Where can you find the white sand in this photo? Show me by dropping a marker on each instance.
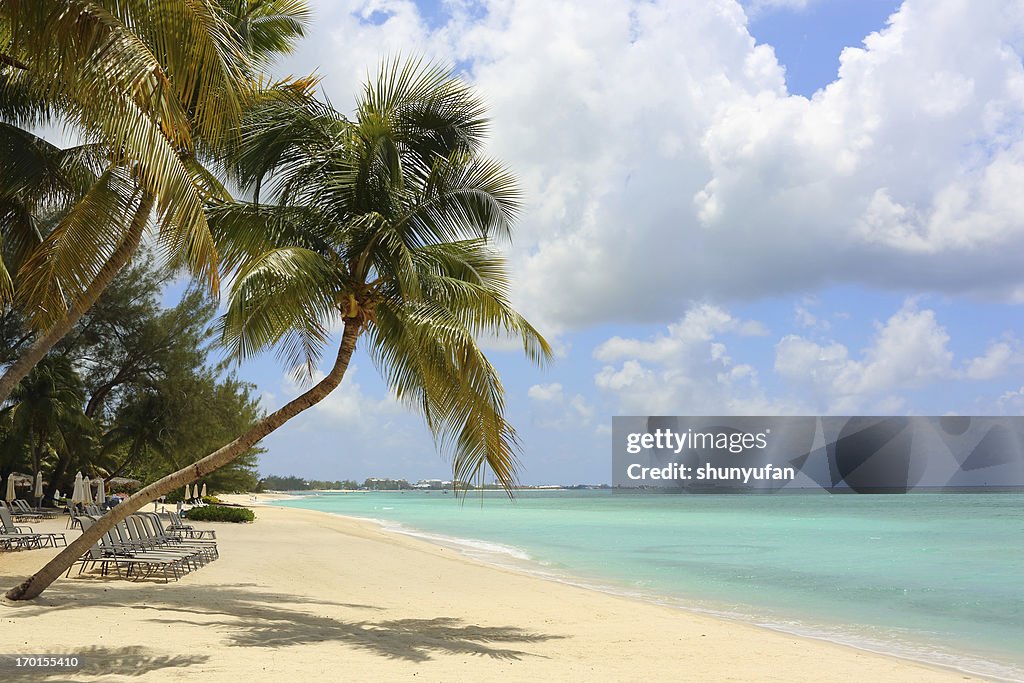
(299, 594)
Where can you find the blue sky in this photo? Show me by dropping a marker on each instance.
(775, 207)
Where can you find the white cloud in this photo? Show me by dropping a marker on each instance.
(665, 162)
(997, 361)
(687, 370)
(804, 317)
(1012, 402)
(908, 351)
(552, 410)
(546, 393)
(347, 408)
(700, 324)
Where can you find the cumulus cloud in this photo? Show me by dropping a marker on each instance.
(908, 351)
(552, 410)
(686, 370)
(689, 369)
(697, 328)
(664, 161)
(1011, 402)
(347, 409)
(998, 360)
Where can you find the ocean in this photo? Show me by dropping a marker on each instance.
(933, 577)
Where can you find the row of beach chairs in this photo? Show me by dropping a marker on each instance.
(15, 537)
(139, 547)
(22, 511)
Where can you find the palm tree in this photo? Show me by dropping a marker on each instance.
(156, 85)
(380, 224)
(46, 411)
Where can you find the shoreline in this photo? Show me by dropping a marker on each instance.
(487, 554)
(303, 592)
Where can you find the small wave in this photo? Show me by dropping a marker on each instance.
(469, 546)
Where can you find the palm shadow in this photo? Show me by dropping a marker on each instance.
(100, 662)
(250, 616)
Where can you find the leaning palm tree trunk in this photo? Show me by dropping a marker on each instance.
(39, 581)
(28, 360)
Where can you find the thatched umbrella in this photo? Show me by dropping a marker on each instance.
(123, 483)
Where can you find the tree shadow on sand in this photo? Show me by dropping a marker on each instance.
(101, 662)
(412, 640)
(249, 616)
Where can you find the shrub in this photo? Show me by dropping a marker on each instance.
(221, 513)
(211, 500)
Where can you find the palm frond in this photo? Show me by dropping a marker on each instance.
(243, 231)
(287, 295)
(267, 28)
(72, 255)
(431, 363)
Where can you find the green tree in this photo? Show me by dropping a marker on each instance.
(156, 85)
(189, 413)
(380, 222)
(46, 412)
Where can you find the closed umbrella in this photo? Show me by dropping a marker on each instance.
(76, 494)
(56, 494)
(86, 491)
(203, 494)
(101, 495)
(9, 496)
(188, 492)
(38, 493)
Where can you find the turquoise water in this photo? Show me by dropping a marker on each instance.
(936, 577)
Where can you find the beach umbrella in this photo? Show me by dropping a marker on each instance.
(86, 491)
(76, 494)
(9, 497)
(56, 494)
(101, 495)
(39, 485)
(203, 494)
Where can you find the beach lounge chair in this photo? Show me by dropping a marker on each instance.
(18, 514)
(21, 507)
(127, 541)
(22, 535)
(151, 525)
(20, 541)
(177, 527)
(141, 534)
(141, 565)
(8, 527)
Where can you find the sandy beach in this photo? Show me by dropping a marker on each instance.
(301, 593)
